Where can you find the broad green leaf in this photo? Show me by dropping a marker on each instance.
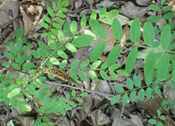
(73, 27)
(119, 88)
(125, 99)
(137, 81)
(113, 55)
(157, 90)
(115, 99)
(166, 36)
(83, 21)
(50, 11)
(62, 54)
(162, 66)
(54, 61)
(152, 121)
(97, 51)
(173, 71)
(141, 95)
(133, 96)
(154, 7)
(92, 75)
(71, 47)
(154, 19)
(98, 29)
(74, 70)
(93, 15)
(117, 29)
(83, 75)
(130, 63)
(82, 41)
(104, 74)
(148, 33)
(130, 84)
(135, 32)
(96, 64)
(149, 92)
(14, 92)
(149, 64)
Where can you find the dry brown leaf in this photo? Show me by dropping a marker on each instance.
(124, 36)
(172, 4)
(28, 24)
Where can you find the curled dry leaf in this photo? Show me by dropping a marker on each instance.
(31, 13)
(124, 36)
(172, 4)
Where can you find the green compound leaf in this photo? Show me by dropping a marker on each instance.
(117, 29)
(130, 63)
(82, 41)
(130, 84)
(162, 66)
(148, 33)
(97, 51)
(166, 36)
(74, 69)
(149, 63)
(119, 88)
(113, 55)
(135, 32)
(98, 29)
